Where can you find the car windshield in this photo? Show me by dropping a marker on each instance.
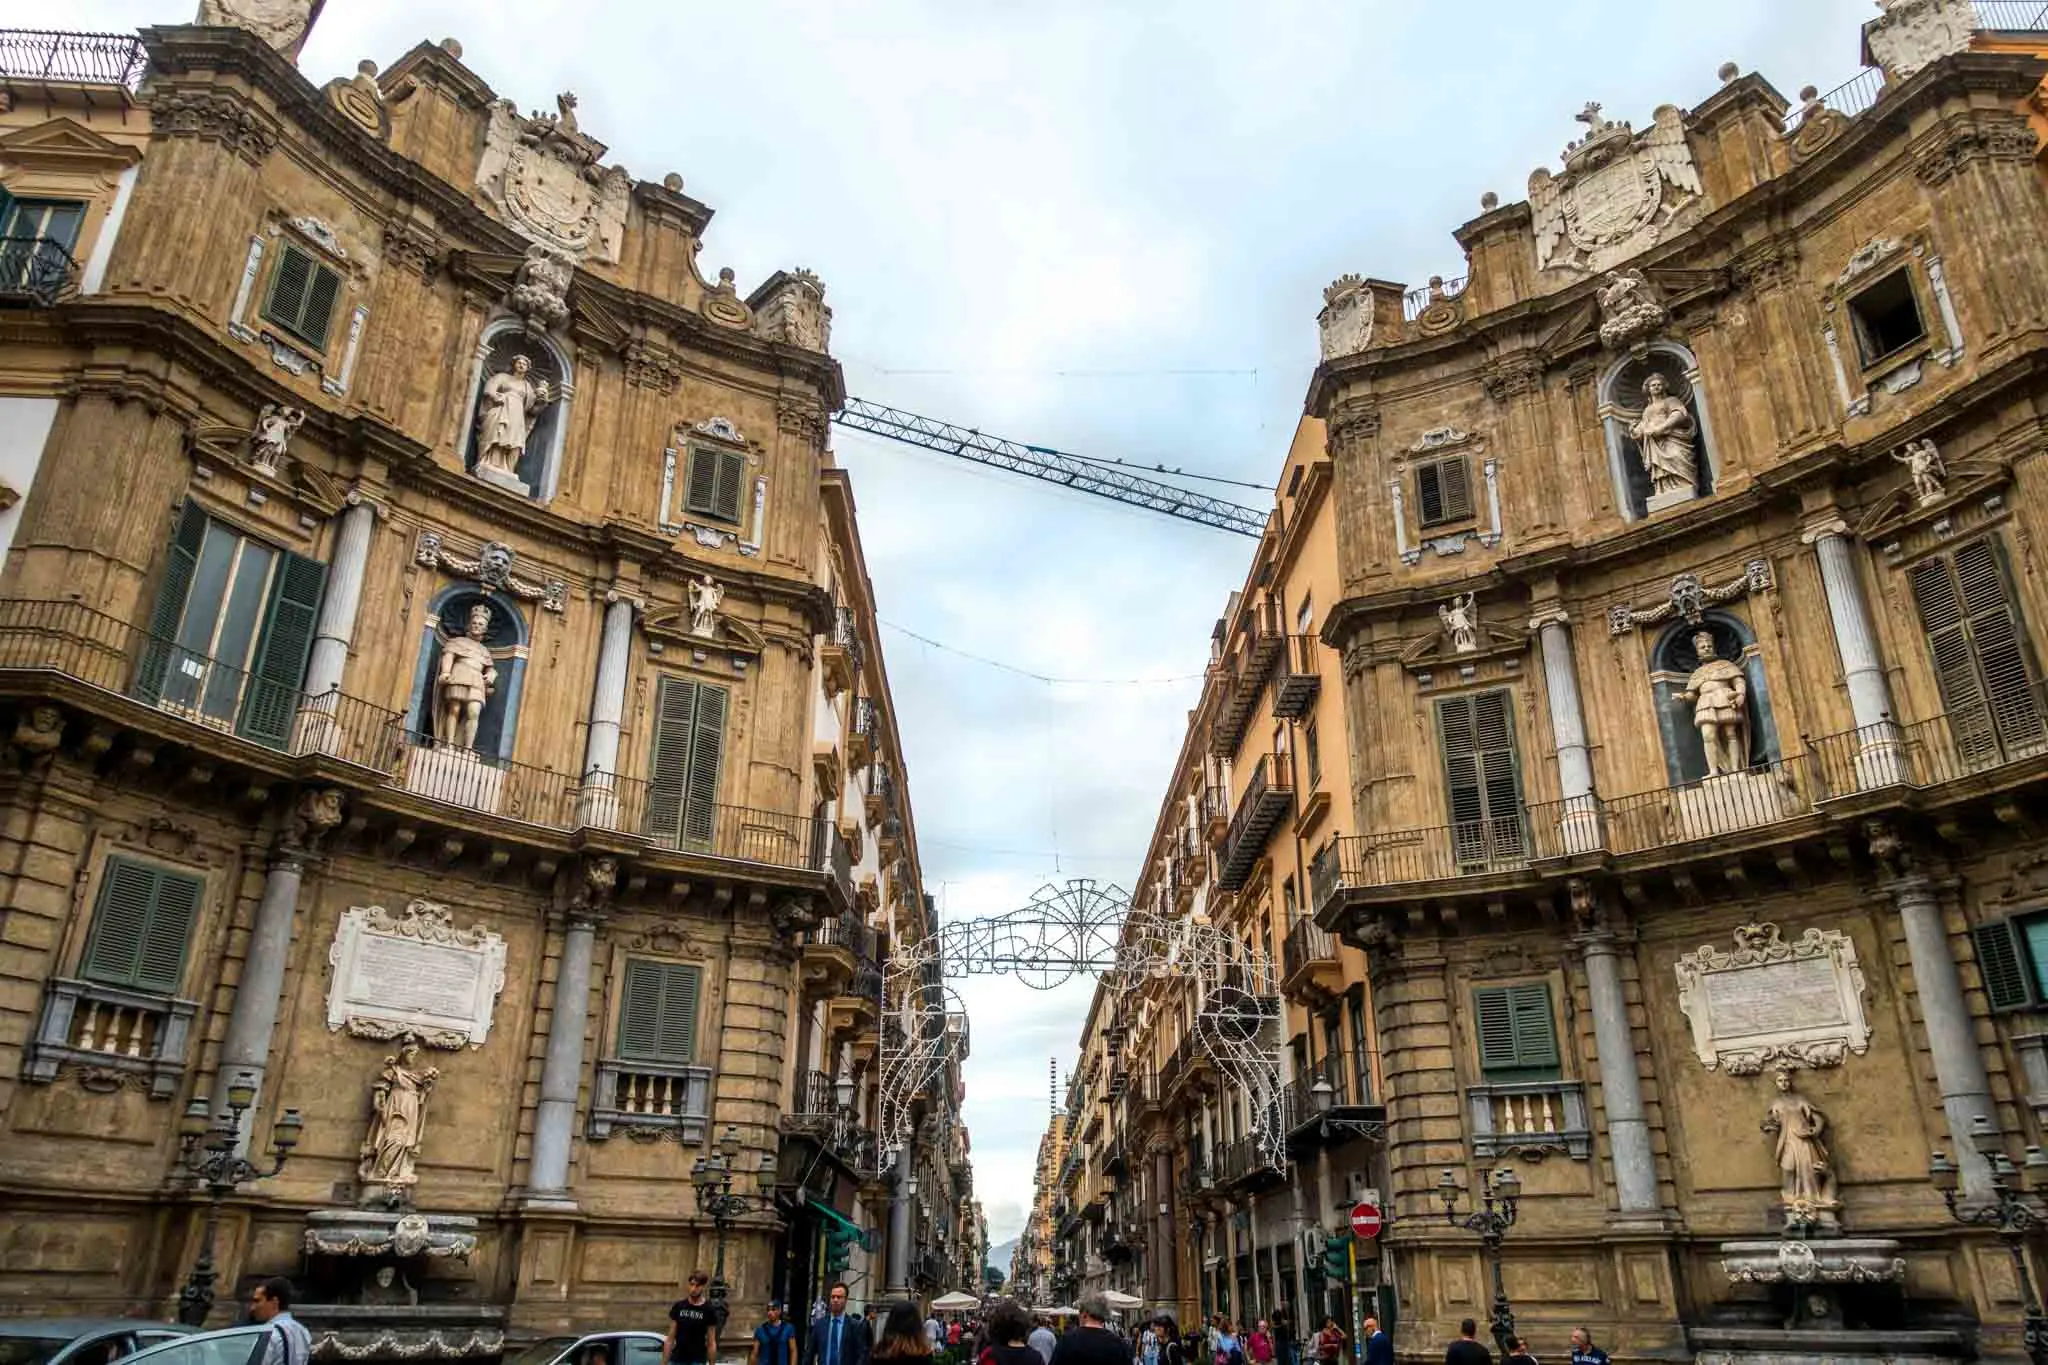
(540, 1353)
(30, 1350)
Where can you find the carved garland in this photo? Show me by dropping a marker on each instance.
(492, 567)
(1690, 598)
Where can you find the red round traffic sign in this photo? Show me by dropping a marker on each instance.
(1366, 1221)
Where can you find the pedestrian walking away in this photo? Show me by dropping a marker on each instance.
(1091, 1343)
(1008, 1333)
(692, 1326)
(1467, 1350)
(1584, 1352)
(774, 1339)
(1043, 1341)
(904, 1339)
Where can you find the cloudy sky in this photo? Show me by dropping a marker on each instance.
(1098, 226)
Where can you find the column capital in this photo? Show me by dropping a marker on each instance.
(361, 495)
(1549, 614)
(1823, 526)
(619, 592)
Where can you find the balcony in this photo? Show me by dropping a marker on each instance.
(1294, 695)
(109, 1036)
(1245, 1163)
(860, 739)
(840, 655)
(1311, 968)
(814, 1112)
(48, 57)
(1267, 799)
(833, 951)
(1264, 639)
(650, 1100)
(1215, 813)
(35, 271)
(67, 651)
(1528, 1119)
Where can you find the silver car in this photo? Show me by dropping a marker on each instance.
(598, 1348)
(80, 1341)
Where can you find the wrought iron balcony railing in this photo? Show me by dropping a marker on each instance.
(64, 58)
(1267, 798)
(36, 271)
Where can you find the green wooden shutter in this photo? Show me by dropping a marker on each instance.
(290, 282)
(1444, 491)
(658, 1011)
(679, 1012)
(732, 478)
(142, 926)
(272, 698)
(675, 715)
(1517, 1035)
(2000, 963)
(1494, 728)
(700, 493)
(2000, 645)
(1481, 783)
(700, 810)
(181, 557)
(321, 296)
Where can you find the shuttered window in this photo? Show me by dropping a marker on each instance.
(302, 295)
(2012, 958)
(141, 926)
(231, 630)
(1982, 662)
(658, 1011)
(1517, 1034)
(716, 480)
(689, 741)
(1481, 780)
(1443, 490)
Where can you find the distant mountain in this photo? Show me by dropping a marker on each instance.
(999, 1255)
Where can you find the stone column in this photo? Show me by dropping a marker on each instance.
(561, 1076)
(607, 705)
(1958, 1065)
(1166, 1255)
(1870, 700)
(337, 624)
(899, 1225)
(1621, 1087)
(1580, 825)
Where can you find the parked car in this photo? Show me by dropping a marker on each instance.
(228, 1346)
(598, 1348)
(80, 1341)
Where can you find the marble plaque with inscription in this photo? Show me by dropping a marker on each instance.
(1769, 1003)
(414, 972)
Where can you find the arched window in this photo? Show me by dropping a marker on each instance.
(1672, 663)
(536, 470)
(505, 636)
(1670, 459)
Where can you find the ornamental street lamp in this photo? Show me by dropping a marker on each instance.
(2013, 1213)
(713, 1176)
(1498, 1191)
(209, 1147)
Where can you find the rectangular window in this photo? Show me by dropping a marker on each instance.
(1361, 1064)
(689, 742)
(1886, 317)
(1517, 1034)
(1443, 490)
(231, 629)
(1314, 754)
(1482, 780)
(142, 925)
(1982, 663)
(2012, 958)
(658, 1011)
(715, 483)
(38, 240)
(1290, 901)
(1305, 617)
(302, 295)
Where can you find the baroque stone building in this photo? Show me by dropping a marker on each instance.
(443, 697)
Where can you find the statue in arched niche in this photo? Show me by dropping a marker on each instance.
(1718, 693)
(1667, 437)
(465, 680)
(506, 413)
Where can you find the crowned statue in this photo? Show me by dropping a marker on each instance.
(506, 411)
(1718, 692)
(398, 1111)
(464, 682)
(1667, 436)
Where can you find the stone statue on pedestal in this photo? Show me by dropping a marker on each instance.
(1666, 434)
(505, 415)
(1460, 618)
(398, 1110)
(1719, 695)
(275, 425)
(705, 598)
(1924, 466)
(467, 676)
(1804, 1167)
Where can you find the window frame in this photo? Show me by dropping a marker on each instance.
(318, 264)
(690, 973)
(2013, 977)
(159, 877)
(711, 507)
(1533, 1060)
(1468, 509)
(1860, 329)
(1987, 728)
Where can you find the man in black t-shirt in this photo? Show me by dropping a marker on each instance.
(692, 1327)
(1092, 1343)
(1466, 1350)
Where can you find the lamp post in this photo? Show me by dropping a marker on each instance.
(713, 1176)
(1498, 1191)
(209, 1147)
(2013, 1213)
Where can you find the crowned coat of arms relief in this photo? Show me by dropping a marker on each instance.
(548, 179)
(1619, 192)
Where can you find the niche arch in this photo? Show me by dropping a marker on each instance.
(1672, 660)
(503, 338)
(1621, 399)
(510, 641)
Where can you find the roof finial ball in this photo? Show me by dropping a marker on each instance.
(1488, 202)
(672, 182)
(1728, 72)
(452, 48)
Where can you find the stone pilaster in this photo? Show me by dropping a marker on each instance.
(1621, 1086)
(336, 627)
(561, 1077)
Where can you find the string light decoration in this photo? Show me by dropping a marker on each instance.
(1083, 928)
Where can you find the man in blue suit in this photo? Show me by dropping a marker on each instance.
(840, 1337)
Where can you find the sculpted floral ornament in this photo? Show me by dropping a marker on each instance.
(1618, 193)
(1912, 34)
(540, 288)
(1629, 309)
(1770, 1003)
(493, 567)
(1690, 598)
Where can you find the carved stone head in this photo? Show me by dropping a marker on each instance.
(1703, 644)
(494, 560)
(479, 621)
(1655, 387)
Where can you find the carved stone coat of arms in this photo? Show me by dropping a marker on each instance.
(1617, 195)
(546, 176)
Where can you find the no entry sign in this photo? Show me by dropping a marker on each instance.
(1366, 1221)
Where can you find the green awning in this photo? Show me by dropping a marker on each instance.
(834, 1215)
